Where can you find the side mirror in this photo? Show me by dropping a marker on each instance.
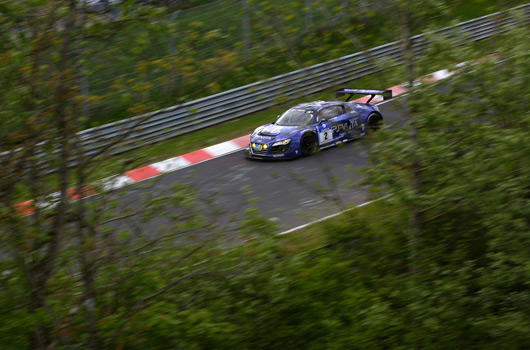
(277, 117)
(322, 121)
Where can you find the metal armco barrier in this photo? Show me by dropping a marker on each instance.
(190, 116)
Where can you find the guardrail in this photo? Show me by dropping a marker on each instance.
(190, 116)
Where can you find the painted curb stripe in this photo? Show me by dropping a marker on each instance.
(242, 141)
(427, 79)
(442, 74)
(77, 193)
(25, 208)
(362, 99)
(116, 182)
(197, 156)
(142, 173)
(171, 164)
(222, 148)
(398, 90)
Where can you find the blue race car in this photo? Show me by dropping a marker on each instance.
(307, 127)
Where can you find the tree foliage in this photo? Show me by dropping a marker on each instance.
(473, 200)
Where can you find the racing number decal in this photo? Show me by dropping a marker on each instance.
(325, 135)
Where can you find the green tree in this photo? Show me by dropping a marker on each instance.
(55, 259)
(472, 224)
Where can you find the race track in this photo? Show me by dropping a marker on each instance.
(287, 192)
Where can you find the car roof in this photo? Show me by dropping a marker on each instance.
(316, 105)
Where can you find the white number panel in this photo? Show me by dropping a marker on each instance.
(325, 135)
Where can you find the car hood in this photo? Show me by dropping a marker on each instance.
(275, 130)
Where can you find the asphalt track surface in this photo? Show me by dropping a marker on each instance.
(274, 188)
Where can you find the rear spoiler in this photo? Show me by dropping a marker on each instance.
(387, 94)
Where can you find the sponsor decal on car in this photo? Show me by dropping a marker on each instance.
(273, 129)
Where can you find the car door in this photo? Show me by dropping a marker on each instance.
(348, 124)
(337, 123)
(323, 126)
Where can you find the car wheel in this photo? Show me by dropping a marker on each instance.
(308, 144)
(374, 122)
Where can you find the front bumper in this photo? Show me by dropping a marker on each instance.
(271, 152)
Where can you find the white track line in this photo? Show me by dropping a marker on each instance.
(328, 217)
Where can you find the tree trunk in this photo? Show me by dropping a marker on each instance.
(415, 166)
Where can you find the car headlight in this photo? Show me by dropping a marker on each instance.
(281, 143)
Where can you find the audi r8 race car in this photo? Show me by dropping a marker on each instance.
(308, 127)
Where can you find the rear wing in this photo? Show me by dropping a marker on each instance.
(387, 94)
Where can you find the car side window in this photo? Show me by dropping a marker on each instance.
(329, 113)
(337, 110)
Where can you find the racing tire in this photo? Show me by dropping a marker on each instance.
(373, 122)
(308, 144)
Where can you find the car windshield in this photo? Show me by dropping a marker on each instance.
(295, 116)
